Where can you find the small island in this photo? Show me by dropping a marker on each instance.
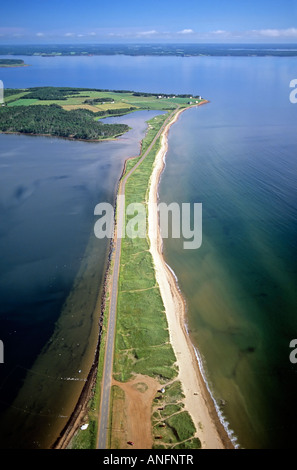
(12, 63)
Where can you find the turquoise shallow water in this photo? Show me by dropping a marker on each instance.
(236, 155)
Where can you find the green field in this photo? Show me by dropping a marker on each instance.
(22, 102)
(41, 110)
(77, 98)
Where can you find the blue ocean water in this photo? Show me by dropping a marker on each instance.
(48, 191)
(236, 155)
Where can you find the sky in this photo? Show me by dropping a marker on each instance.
(151, 21)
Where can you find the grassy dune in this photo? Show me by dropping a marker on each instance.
(142, 337)
(142, 344)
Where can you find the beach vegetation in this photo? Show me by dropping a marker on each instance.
(142, 343)
(182, 425)
(173, 427)
(87, 438)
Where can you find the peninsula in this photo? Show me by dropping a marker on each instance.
(149, 395)
(76, 113)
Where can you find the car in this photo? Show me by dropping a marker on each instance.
(130, 443)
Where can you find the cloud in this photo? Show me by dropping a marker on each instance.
(148, 33)
(220, 31)
(137, 33)
(254, 34)
(133, 34)
(277, 33)
(185, 31)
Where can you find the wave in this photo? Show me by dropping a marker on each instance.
(231, 434)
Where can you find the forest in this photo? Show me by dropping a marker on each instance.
(52, 93)
(11, 62)
(55, 121)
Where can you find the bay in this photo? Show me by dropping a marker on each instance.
(236, 155)
(51, 273)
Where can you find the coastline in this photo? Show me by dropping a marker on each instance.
(108, 139)
(14, 66)
(198, 401)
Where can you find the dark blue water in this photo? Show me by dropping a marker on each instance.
(48, 191)
(236, 155)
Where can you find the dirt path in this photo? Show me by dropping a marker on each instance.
(139, 395)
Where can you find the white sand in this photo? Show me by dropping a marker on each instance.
(197, 400)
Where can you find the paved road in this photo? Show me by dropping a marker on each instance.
(107, 373)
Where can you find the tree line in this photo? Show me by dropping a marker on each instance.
(54, 120)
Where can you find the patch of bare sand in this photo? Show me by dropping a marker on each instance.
(132, 414)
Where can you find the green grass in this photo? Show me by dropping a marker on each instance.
(173, 393)
(173, 427)
(142, 338)
(87, 439)
(182, 425)
(142, 344)
(171, 409)
(14, 97)
(116, 418)
(189, 444)
(23, 102)
(121, 100)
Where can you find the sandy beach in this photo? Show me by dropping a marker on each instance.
(198, 401)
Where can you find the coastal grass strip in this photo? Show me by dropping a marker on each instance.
(117, 420)
(87, 439)
(142, 339)
(142, 344)
(173, 427)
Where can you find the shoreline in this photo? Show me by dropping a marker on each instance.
(14, 66)
(200, 406)
(198, 401)
(72, 139)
